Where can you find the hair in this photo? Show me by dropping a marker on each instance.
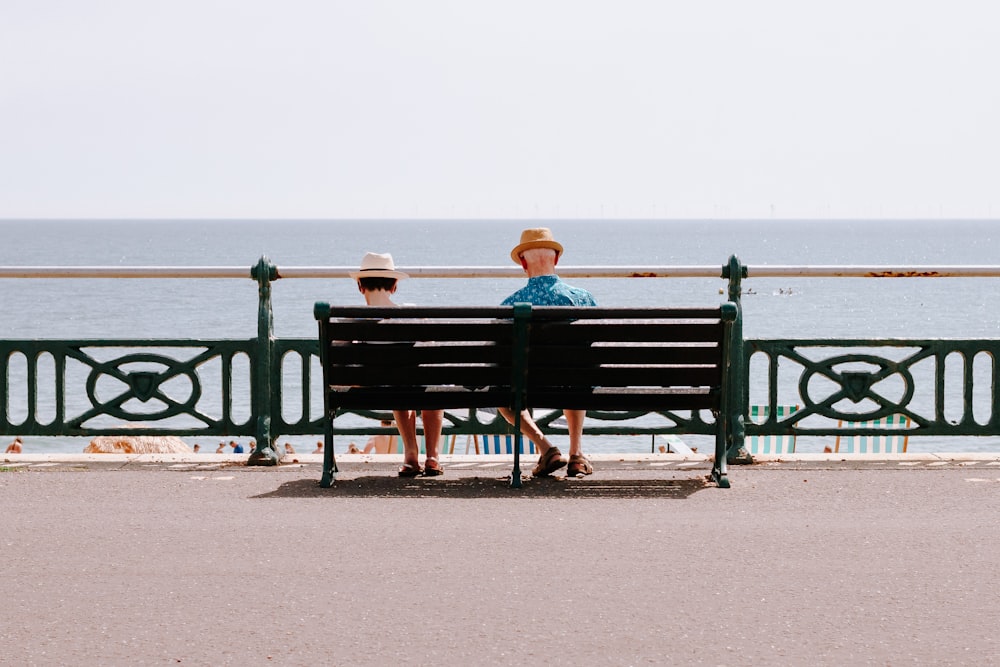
(375, 284)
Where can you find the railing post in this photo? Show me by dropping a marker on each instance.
(736, 271)
(265, 372)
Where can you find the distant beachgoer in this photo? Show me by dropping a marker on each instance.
(237, 447)
(197, 448)
(538, 253)
(319, 448)
(353, 449)
(289, 449)
(221, 449)
(381, 443)
(15, 447)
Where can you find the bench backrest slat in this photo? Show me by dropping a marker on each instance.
(645, 354)
(372, 331)
(626, 398)
(343, 353)
(415, 376)
(543, 313)
(556, 376)
(632, 331)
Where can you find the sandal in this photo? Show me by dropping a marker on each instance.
(432, 468)
(409, 470)
(579, 465)
(549, 462)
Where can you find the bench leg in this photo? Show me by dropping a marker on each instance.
(515, 474)
(720, 476)
(719, 469)
(329, 460)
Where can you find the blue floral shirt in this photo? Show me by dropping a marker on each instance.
(550, 291)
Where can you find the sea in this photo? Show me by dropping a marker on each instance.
(789, 307)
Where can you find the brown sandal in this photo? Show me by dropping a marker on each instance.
(432, 468)
(410, 470)
(579, 465)
(549, 462)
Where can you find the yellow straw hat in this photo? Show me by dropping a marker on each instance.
(538, 237)
(376, 265)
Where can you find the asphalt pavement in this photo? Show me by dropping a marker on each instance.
(201, 560)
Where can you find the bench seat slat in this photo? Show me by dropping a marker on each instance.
(417, 398)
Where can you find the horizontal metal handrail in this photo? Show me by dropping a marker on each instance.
(124, 272)
(265, 353)
(689, 271)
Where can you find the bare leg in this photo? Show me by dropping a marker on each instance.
(433, 420)
(406, 423)
(529, 429)
(574, 422)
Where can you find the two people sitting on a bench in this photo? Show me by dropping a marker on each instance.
(377, 281)
(537, 253)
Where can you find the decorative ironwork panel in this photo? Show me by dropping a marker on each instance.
(298, 377)
(147, 387)
(944, 387)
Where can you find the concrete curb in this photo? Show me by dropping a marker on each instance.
(500, 458)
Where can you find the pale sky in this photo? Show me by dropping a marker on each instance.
(506, 109)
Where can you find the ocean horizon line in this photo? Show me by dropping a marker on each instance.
(493, 219)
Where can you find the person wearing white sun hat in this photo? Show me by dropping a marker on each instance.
(377, 280)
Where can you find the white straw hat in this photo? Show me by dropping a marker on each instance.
(376, 265)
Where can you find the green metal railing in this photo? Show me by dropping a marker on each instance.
(156, 387)
(855, 381)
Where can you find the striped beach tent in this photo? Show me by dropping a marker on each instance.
(770, 444)
(497, 444)
(504, 444)
(882, 443)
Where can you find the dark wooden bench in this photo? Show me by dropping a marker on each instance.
(531, 356)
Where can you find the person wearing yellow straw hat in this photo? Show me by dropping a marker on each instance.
(377, 281)
(538, 253)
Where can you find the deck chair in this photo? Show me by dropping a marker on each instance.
(672, 444)
(883, 443)
(770, 444)
(497, 444)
